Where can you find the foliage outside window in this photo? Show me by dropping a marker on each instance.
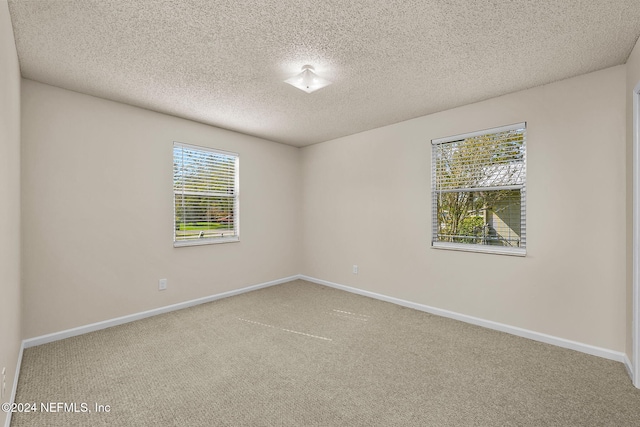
(478, 190)
(205, 189)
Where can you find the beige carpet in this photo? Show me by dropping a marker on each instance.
(301, 354)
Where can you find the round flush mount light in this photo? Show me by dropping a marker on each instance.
(308, 80)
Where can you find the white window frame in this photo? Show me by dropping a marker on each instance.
(468, 247)
(635, 329)
(236, 200)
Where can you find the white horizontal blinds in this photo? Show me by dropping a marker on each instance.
(478, 187)
(205, 193)
(481, 162)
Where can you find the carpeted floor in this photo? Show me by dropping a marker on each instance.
(301, 354)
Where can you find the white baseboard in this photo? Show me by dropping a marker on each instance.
(629, 366)
(44, 339)
(14, 389)
(536, 336)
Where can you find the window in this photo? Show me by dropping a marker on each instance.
(478, 190)
(205, 195)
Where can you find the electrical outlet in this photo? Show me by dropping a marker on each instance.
(355, 269)
(162, 284)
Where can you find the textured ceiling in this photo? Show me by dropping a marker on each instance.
(223, 62)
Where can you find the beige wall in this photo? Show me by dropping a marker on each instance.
(366, 201)
(10, 310)
(633, 79)
(97, 211)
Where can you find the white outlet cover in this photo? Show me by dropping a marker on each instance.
(162, 284)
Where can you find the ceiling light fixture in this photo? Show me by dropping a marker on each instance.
(308, 80)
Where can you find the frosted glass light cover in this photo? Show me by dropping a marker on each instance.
(307, 80)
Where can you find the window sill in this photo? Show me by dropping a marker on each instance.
(201, 242)
(486, 249)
